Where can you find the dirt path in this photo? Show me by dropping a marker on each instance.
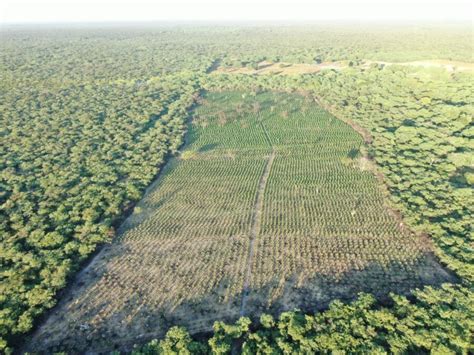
(256, 222)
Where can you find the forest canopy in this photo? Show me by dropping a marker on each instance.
(89, 116)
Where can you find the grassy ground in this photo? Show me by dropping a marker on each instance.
(269, 207)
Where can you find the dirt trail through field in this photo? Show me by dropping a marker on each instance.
(256, 221)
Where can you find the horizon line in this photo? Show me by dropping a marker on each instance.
(230, 22)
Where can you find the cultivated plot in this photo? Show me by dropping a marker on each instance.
(269, 207)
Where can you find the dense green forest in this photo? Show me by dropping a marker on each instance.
(82, 137)
(89, 116)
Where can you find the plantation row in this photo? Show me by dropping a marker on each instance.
(422, 137)
(436, 319)
(422, 140)
(185, 252)
(421, 127)
(184, 209)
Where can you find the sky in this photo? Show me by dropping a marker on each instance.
(47, 11)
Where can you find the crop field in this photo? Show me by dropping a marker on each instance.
(270, 206)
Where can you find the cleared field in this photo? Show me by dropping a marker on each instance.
(282, 68)
(267, 208)
(268, 68)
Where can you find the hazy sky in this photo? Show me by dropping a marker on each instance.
(16, 11)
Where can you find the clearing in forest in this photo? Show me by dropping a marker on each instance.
(268, 208)
(281, 68)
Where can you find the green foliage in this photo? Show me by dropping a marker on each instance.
(422, 162)
(226, 334)
(77, 151)
(177, 341)
(87, 118)
(438, 321)
(425, 156)
(424, 151)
